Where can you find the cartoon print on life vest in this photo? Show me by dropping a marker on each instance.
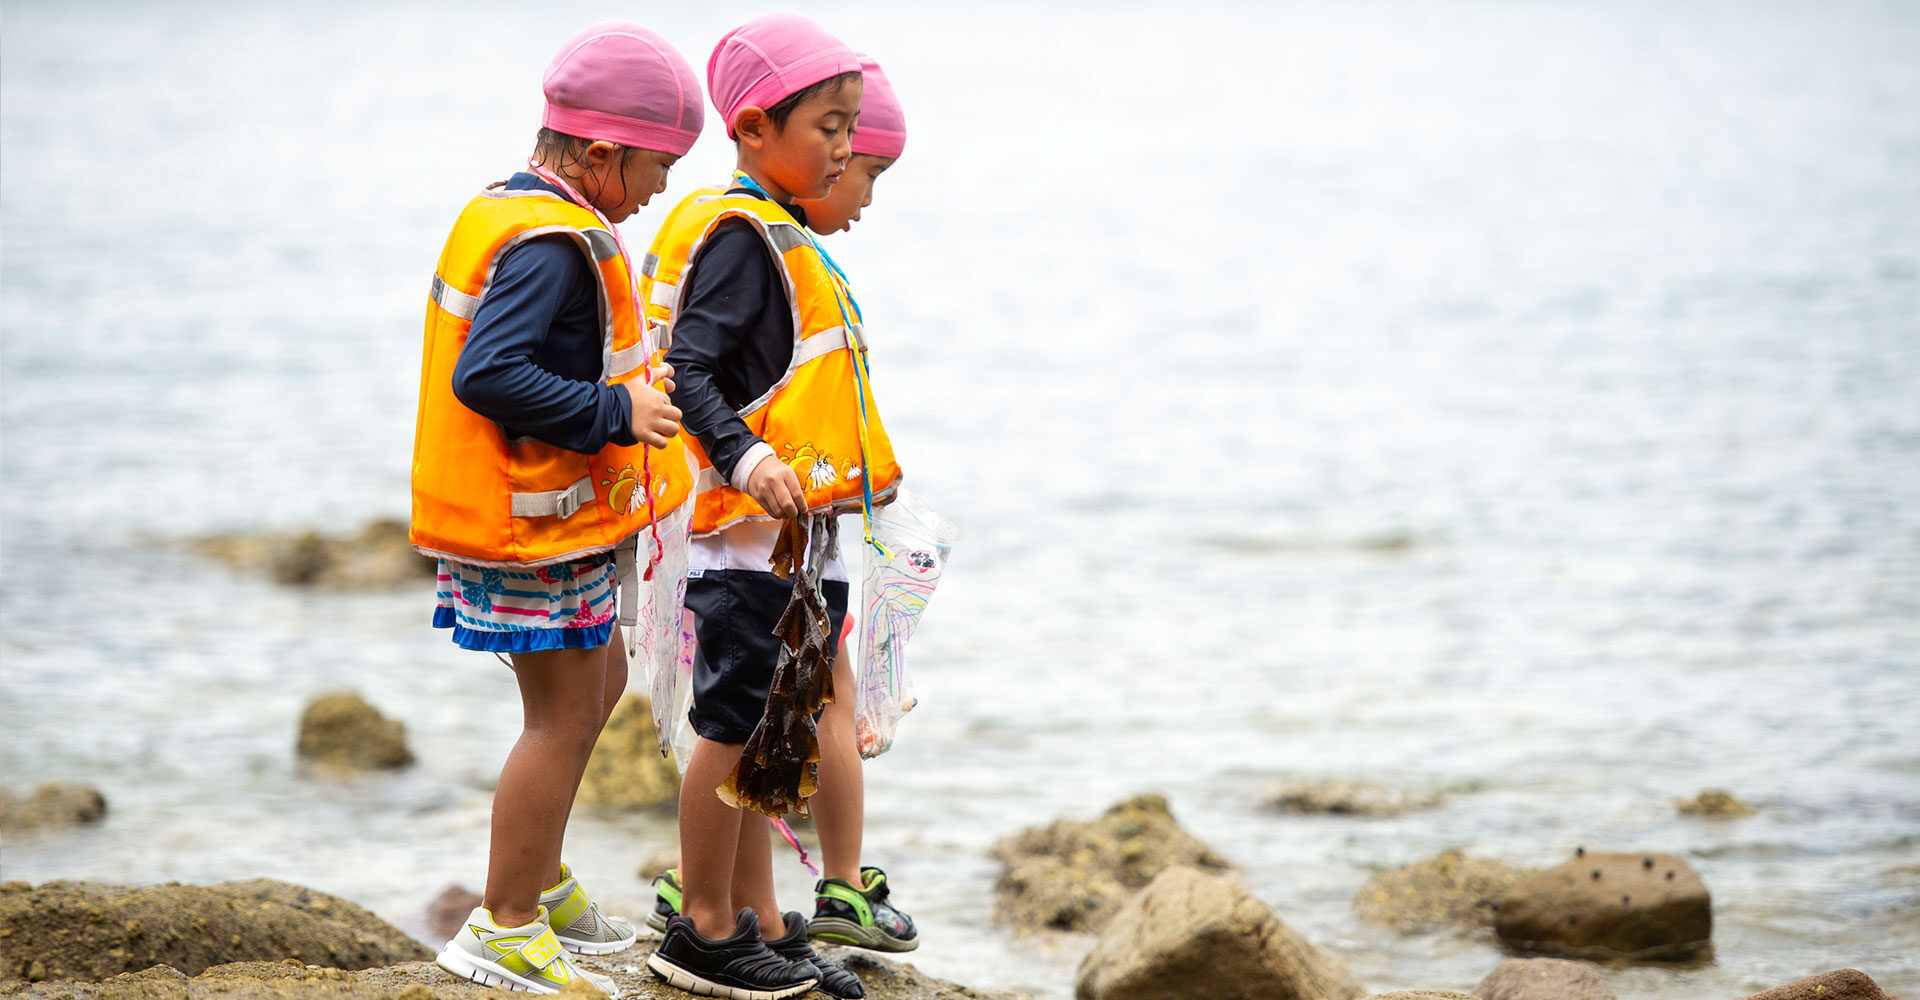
(620, 496)
(813, 466)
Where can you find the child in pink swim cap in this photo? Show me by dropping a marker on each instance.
(878, 140)
(787, 435)
(534, 389)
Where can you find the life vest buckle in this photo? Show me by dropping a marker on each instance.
(566, 504)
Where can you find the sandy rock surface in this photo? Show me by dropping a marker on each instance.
(89, 931)
(1543, 979)
(1446, 890)
(341, 730)
(1074, 875)
(626, 770)
(1350, 798)
(55, 804)
(1194, 934)
(1638, 907)
(377, 557)
(1840, 984)
(423, 980)
(1421, 995)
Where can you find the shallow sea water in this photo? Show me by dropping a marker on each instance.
(1519, 399)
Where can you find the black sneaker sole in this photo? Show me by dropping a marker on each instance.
(680, 978)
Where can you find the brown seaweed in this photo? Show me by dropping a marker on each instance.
(779, 767)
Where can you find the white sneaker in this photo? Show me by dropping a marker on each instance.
(527, 958)
(578, 922)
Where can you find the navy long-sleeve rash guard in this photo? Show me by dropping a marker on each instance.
(732, 338)
(532, 361)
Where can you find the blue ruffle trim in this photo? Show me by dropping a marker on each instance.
(526, 640)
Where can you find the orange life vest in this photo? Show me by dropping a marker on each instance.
(480, 497)
(813, 414)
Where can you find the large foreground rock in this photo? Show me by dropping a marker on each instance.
(1542, 979)
(55, 804)
(377, 557)
(341, 730)
(1192, 934)
(1074, 875)
(626, 770)
(1447, 890)
(1639, 907)
(1336, 797)
(1841, 984)
(294, 980)
(88, 931)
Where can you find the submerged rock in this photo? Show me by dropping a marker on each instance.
(1192, 934)
(89, 931)
(342, 730)
(377, 557)
(1350, 798)
(54, 804)
(1840, 984)
(1639, 907)
(1447, 890)
(1542, 979)
(626, 770)
(1717, 803)
(449, 910)
(1074, 875)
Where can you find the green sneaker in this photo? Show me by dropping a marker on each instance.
(528, 958)
(666, 899)
(860, 917)
(578, 922)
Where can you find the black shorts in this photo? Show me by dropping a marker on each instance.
(734, 614)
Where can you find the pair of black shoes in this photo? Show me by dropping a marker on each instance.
(745, 967)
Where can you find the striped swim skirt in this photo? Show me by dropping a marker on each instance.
(564, 606)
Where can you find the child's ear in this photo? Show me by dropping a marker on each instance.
(600, 152)
(751, 126)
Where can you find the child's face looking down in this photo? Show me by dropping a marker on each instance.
(804, 159)
(840, 209)
(619, 185)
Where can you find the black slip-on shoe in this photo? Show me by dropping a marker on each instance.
(835, 981)
(740, 967)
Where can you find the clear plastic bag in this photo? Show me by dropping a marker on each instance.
(895, 588)
(662, 640)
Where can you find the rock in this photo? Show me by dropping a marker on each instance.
(1447, 890)
(1074, 875)
(657, 862)
(1421, 995)
(1717, 803)
(1640, 907)
(1193, 934)
(1840, 984)
(449, 910)
(1542, 979)
(1350, 798)
(342, 730)
(83, 930)
(51, 805)
(626, 770)
(379, 556)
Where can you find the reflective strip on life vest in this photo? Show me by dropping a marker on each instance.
(602, 242)
(650, 265)
(560, 503)
(664, 295)
(453, 299)
(627, 360)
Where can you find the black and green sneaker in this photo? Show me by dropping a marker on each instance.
(860, 917)
(666, 899)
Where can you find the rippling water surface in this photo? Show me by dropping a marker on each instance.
(1521, 399)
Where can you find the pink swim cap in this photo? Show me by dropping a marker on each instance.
(771, 58)
(882, 130)
(620, 82)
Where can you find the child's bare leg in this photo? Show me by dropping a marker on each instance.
(839, 806)
(709, 839)
(753, 875)
(616, 674)
(560, 697)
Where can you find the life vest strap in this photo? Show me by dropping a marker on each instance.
(626, 570)
(453, 300)
(664, 295)
(824, 343)
(627, 360)
(554, 503)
